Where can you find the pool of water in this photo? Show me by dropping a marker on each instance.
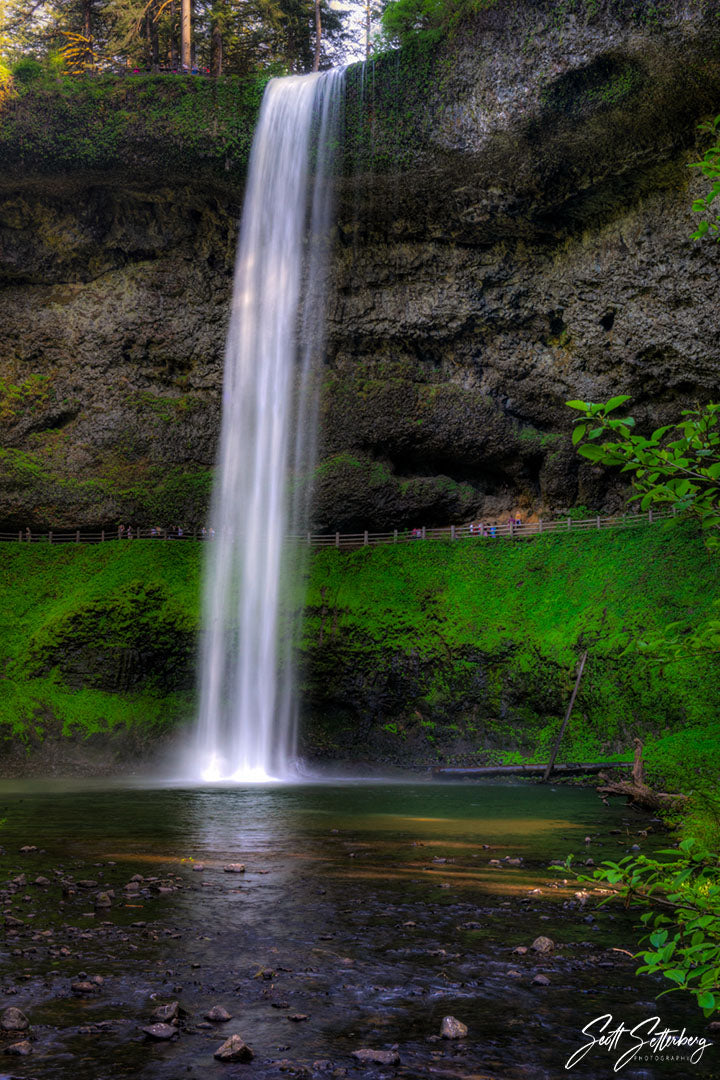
(370, 910)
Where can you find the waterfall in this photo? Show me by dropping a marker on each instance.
(246, 728)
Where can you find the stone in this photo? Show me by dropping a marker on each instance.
(28, 849)
(19, 1049)
(160, 1032)
(298, 1017)
(218, 1015)
(103, 900)
(543, 945)
(377, 1057)
(234, 1049)
(13, 1019)
(166, 1013)
(540, 980)
(198, 868)
(452, 1028)
(234, 868)
(40, 880)
(84, 988)
(520, 950)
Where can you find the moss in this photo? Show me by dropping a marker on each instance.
(160, 123)
(471, 643)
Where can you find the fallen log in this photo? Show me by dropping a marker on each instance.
(531, 769)
(636, 790)
(640, 794)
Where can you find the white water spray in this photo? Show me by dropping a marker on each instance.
(247, 722)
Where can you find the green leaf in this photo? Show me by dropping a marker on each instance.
(578, 433)
(616, 402)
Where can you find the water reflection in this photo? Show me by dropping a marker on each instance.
(372, 909)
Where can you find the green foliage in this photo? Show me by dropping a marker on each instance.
(677, 466)
(710, 168)
(427, 21)
(67, 626)
(27, 70)
(169, 124)
(475, 635)
(27, 396)
(681, 895)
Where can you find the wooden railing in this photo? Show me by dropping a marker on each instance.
(474, 531)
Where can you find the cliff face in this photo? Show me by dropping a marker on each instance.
(513, 231)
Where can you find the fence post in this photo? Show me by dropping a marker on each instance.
(118, 532)
(20, 537)
(309, 539)
(423, 532)
(337, 539)
(50, 537)
(598, 521)
(77, 537)
(365, 538)
(395, 537)
(452, 532)
(569, 523)
(102, 536)
(540, 525)
(650, 516)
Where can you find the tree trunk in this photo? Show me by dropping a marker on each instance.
(318, 36)
(186, 36)
(554, 754)
(216, 51)
(367, 29)
(173, 39)
(154, 41)
(87, 33)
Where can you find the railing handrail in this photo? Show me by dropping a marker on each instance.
(472, 530)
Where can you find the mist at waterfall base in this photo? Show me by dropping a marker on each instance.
(247, 721)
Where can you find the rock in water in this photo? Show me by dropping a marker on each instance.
(377, 1057)
(543, 944)
(160, 1032)
(541, 980)
(20, 1049)
(234, 1049)
(166, 1013)
(234, 868)
(217, 1014)
(452, 1028)
(13, 1019)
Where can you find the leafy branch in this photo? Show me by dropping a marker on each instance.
(682, 901)
(710, 168)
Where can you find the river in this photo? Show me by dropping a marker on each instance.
(370, 910)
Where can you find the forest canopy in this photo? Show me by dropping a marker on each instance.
(224, 37)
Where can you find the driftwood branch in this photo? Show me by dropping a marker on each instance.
(636, 790)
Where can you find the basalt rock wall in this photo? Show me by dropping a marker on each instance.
(513, 231)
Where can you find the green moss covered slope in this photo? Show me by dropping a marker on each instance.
(415, 653)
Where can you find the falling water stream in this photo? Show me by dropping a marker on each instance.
(246, 726)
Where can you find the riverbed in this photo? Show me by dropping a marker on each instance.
(365, 913)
